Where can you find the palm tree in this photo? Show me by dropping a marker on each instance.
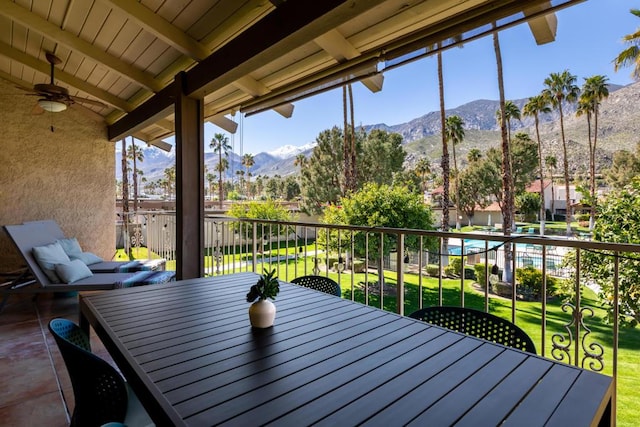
(240, 174)
(135, 154)
(259, 185)
(631, 55)
(474, 155)
(594, 90)
(444, 163)
(552, 165)
(222, 166)
(508, 202)
(170, 179)
(423, 169)
(349, 144)
(248, 161)
(125, 198)
(454, 132)
(511, 111)
(533, 108)
(559, 88)
(210, 179)
(220, 145)
(300, 160)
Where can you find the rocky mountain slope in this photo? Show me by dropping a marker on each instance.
(619, 128)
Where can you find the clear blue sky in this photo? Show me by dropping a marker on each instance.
(588, 38)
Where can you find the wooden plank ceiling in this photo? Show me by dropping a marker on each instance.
(239, 55)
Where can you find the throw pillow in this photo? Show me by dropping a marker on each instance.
(71, 247)
(88, 258)
(47, 257)
(73, 271)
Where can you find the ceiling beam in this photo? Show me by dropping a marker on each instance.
(158, 107)
(255, 88)
(45, 68)
(223, 122)
(250, 12)
(161, 28)
(341, 50)
(543, 27)
(268, 39)
(41, 26)
(16, 81)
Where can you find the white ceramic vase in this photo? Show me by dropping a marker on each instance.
(262, 313)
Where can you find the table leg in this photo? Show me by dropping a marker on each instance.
(82, 319)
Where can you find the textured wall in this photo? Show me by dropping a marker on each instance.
(67, 175)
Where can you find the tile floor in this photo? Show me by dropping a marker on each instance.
(35, 389)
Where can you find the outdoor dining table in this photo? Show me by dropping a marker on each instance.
(192, 358)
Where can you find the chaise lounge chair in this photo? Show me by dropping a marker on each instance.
(68, 275)
(50, 231)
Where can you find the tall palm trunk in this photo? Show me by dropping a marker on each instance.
(592, 165)
(125, 200)
(445, 150)
(345, 143)
(354, 171)
(456, 184)
(508, 199)
(565, 164)
(542, 205)
(220, 186)
(134, 153)
(444, 162)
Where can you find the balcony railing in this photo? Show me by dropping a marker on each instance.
(422, 268)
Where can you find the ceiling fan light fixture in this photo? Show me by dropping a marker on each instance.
(52, 106)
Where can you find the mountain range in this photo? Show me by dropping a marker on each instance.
(619, 128)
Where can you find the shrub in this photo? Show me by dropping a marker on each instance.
(529, 281)
(433, 270)
(455, 266)
(480, 277)
(358, 266)
(584, 217)
(449, 271)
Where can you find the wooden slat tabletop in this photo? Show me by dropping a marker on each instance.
(193, 359)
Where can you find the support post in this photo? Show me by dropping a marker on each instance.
(189, 114)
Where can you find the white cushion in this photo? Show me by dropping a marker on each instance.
(72, 271)
(48, 256)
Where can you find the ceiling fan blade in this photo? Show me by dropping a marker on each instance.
(90, 113)
(88, 101)
(27, 89)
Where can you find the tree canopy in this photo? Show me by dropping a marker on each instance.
(377, 206)
(379, 155)
(259, 210)
(617, 222)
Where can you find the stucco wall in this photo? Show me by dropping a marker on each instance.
(67, 175)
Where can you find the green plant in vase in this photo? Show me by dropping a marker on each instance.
(262, 312)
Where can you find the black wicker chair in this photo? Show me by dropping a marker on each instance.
(478, 324)
(319, 283)
(101, 394)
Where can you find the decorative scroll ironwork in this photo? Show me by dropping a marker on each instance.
(593, 352)
(594, 357)
(560, 350)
